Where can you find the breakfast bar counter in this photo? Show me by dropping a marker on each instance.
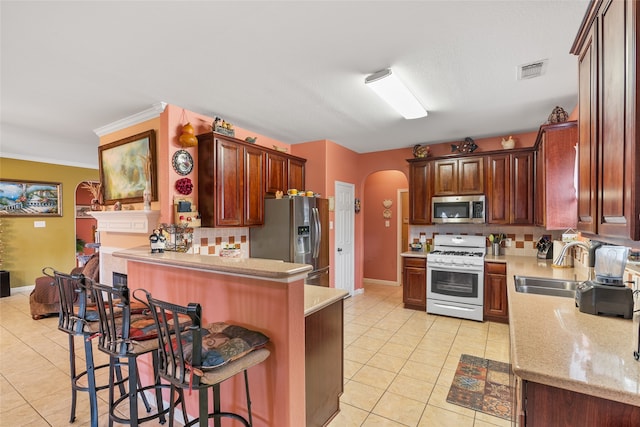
(554, 344)
(264, 295)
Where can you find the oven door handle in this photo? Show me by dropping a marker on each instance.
(456, 269)
(454, 307)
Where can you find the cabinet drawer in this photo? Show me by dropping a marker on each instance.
(495, 268)
(415, 262)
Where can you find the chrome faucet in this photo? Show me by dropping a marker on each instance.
(591, 248)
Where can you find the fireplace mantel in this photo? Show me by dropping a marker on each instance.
(138, 222)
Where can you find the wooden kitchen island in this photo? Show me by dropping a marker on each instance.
(264, 295)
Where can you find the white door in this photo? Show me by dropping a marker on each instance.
(344, 236)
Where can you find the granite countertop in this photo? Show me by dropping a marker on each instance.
(414, 254)
(254, 267)
(319, 297)
(553, 343)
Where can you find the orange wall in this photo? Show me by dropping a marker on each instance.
(381, 242)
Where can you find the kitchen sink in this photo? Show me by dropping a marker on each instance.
(543, 286)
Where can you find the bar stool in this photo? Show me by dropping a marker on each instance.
(117, 325)
(188, 363)
(76, 321)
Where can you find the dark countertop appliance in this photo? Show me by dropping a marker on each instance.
(607, 294)
(295, 230)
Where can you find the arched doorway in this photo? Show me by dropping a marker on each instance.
(85, 224)
(383, 226)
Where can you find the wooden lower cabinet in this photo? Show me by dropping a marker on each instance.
(495, 292)
(414, 283)
(545, 406)
(324, 338)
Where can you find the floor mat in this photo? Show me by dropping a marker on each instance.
(482, 385)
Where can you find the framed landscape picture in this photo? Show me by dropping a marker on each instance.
(127, 166)
(30, 198)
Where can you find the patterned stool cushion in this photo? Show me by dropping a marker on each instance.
(223, 343)
(144, 328)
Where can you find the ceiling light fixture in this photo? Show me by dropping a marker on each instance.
(389, 87)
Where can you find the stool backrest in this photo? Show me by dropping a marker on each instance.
(114, 313)
(73, 302)
(173, 361)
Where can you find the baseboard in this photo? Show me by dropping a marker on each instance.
(380, 282)
(21, 289)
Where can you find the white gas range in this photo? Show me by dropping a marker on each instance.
(455, 276)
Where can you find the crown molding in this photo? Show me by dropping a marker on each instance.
(150, 113)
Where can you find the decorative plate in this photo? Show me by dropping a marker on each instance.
(386, 213)
(182, 162)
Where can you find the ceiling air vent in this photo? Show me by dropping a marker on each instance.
(532, 69)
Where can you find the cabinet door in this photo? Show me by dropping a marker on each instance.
(419, 193)
(471, 175)
(445, 177)
(555, 192)
(539, 185)
(495, 293)
(276, 174)
(253, 186)
(617, 146)
(229, 183)
(498, 189)
(522, 188)
(414, 283)
(206, 179)
(587, 137)
(296, 174)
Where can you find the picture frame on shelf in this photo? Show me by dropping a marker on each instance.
(82, 212)
(30, 198)
(127, 168)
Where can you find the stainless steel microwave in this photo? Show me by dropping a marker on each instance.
(458, 209)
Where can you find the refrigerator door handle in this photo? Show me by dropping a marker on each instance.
(318, 229)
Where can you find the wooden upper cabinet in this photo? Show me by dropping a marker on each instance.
(555, 200)
(419, 192)
(230, 182)
(607, 49)
(253, 186)
(587, 137)
(510, 188)
(498, 201)
(277, 172)
(522, 188)
(454, 177)
(296, 174)
(283, 172)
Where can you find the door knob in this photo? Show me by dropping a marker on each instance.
(339, 249)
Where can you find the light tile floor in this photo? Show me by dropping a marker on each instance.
(398, 365)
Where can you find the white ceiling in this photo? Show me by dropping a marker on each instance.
(293, 71)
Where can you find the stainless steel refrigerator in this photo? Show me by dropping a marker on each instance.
(295, 230)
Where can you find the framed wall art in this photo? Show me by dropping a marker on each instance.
(128, 167)
(30, 198)
(82, 211)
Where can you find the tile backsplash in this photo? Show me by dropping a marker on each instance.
(523, 238)
(211, 241)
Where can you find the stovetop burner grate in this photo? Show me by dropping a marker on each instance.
(458, 253)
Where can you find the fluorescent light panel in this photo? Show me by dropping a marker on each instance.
(389, 87)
